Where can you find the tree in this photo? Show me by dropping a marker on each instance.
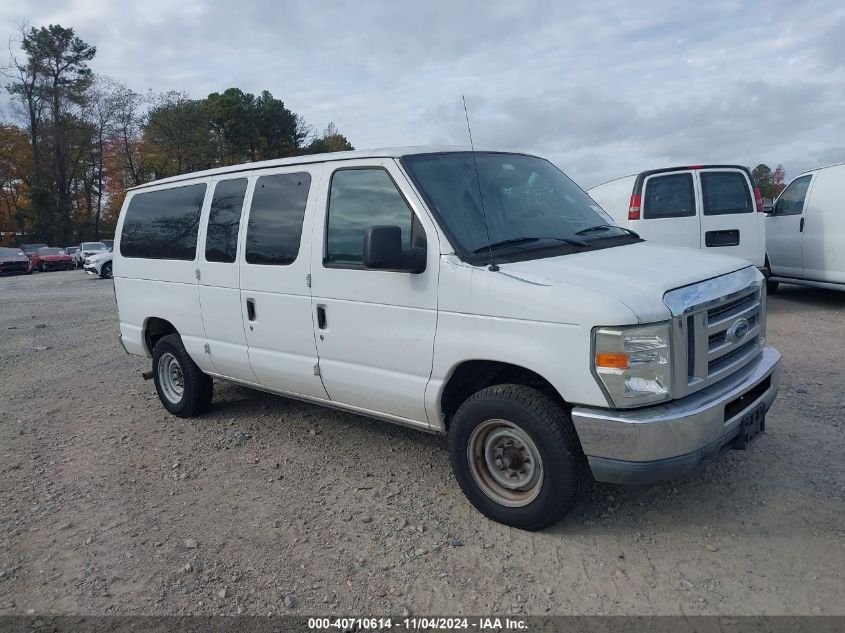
(234, 125)
(177, 136)
(778, 180)
(762, 175)
(52, 83)
(278, 128)
(15, 169)
(82, 140)
(330, 141)
(770, 183)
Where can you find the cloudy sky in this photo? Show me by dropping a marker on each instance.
(601, 88)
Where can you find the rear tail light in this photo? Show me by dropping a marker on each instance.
(634, 208)
(758, 200)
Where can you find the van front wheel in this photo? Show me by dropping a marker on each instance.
(517, 457)
(182, 387)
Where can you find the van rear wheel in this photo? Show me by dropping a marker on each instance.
(182, 387)
(517, 457)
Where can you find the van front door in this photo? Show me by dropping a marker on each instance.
(220, 296)
(275, 297)
(728, 214)
(669, 210)
(374, 328)
(823, 245)
(785, 229)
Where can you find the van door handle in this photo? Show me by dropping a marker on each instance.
(321, 317)
(801, 225)
(250, 309)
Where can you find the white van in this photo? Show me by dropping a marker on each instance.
(712, 207)
(475, 294)
(805, 231)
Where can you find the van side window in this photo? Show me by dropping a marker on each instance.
(791, 201)
(725, 192)
(670, 196)
(274, 230)
(224, 218)
(163, 224)
(359, 199)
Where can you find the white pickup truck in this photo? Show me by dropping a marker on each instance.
(476, 294)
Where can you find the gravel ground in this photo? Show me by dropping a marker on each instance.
(108, 505)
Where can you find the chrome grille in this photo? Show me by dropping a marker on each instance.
(715, 335)
(730, 309)
(737, 353)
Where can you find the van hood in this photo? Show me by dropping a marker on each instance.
(638, 275)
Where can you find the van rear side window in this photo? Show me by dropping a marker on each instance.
(725, 192)
(670, 196)
(276, 213)
(224, 218)
(163, 224)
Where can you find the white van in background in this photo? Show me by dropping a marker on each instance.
(805, 231)
(710, 207)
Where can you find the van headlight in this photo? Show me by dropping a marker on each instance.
(634, 364)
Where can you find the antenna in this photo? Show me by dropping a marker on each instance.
(493, 267)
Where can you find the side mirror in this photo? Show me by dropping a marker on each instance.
(383, 251)
(768, 206)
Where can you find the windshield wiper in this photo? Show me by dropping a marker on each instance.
(607, 227)
(525, 240)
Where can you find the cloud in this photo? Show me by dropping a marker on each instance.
(603, 89)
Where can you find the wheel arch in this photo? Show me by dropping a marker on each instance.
(471, 376)
(154, 329)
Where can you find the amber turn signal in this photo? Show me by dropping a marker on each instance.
(612, 361)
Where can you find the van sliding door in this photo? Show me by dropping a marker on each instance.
(219, 291)
(275, 296)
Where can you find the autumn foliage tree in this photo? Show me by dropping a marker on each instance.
(770, 183)
(81, 140)
(16, 167)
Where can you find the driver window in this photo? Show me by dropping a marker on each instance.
(791, 201)
(359, 199)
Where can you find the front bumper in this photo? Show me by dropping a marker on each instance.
(672, 439)
(14, 269)
(91, 270)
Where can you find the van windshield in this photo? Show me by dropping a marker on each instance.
(532, 208)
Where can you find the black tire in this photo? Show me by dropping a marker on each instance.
(42, 267)
(565, 473)
(197, 387)
(771, 286)
(105, 271)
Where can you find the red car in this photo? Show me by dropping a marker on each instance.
(51, 258)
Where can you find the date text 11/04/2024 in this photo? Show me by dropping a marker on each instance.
(417, 623)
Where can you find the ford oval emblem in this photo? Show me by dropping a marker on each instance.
(738, 330)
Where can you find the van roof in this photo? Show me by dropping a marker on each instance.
(641, 176)
(814, 169)
(387, 152)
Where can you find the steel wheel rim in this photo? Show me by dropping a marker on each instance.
(170, 378)
(505, 463)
